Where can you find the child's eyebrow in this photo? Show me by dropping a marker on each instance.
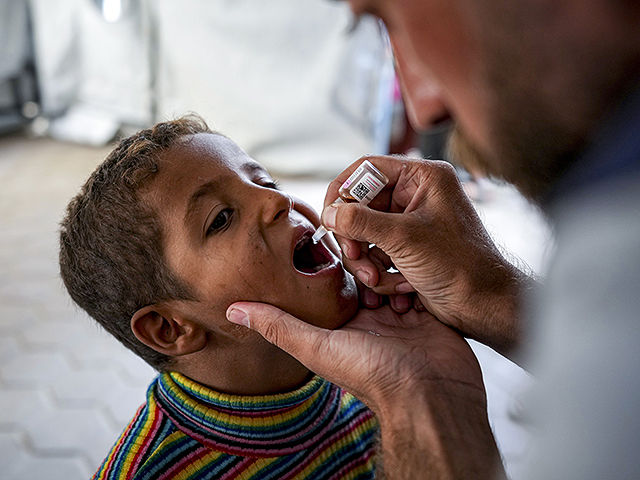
(251, 167)
(210, 188)
(195, 200)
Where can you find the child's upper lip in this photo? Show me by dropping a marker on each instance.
(306, 231)
(299, 232)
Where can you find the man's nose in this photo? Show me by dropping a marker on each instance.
(421, 93)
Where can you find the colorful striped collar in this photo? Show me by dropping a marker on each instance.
(271, 425)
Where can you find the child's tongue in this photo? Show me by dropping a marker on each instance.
(309, 257)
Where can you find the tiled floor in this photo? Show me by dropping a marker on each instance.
(67, 388)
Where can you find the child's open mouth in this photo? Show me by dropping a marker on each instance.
(309, 257)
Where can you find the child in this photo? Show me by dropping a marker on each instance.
(177, 224)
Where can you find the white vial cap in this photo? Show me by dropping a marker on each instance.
(321, 231)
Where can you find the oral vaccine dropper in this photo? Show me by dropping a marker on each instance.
(362, 186)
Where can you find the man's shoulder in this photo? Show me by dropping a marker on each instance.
(594, 278)
(586, 337)
(608, 214)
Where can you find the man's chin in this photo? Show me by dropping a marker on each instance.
(462, 152)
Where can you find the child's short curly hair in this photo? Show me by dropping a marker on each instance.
(111, 248)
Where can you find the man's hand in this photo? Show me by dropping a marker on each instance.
(419, 376)
(424, 225)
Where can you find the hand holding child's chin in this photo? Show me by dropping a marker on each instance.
(375, 355)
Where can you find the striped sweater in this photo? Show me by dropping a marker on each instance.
(188, 431)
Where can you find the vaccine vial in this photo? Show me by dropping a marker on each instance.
(362, 186)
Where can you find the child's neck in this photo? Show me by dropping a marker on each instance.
(248, 368)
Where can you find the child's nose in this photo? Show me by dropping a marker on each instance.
(275, 205)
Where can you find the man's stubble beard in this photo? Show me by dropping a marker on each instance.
(545, 99)
(541, 99)
(531, 144)
(528, 164)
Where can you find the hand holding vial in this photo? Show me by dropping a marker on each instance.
(362, 187)
(424, 225)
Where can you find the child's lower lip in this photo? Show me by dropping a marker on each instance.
(328, 270)
(310, 259)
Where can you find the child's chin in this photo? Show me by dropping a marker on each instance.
(344, 310)
(330, 324)
(333, 306)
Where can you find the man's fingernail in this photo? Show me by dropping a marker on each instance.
(404, 287)
(364, 277)
(350, 252)
(370, 299)
(238, 316)
(402, 302)
(329, 217)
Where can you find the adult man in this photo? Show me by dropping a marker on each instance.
(546, 94)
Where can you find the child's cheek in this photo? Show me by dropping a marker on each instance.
(307, 210)
(238, 332)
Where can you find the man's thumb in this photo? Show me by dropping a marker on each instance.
(299, 339)
(360, 223)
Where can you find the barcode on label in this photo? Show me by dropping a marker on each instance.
(360, 191)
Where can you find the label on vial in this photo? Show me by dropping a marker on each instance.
(353, 176)
(367, 188)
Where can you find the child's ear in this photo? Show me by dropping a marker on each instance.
(160, 328)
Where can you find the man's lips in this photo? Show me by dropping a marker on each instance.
(308, 257)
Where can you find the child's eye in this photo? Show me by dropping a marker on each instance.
(220, 222)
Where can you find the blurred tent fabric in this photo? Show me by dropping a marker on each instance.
(94, 75)
(283, 78)
(17, 78)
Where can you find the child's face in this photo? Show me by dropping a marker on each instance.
(233, 236)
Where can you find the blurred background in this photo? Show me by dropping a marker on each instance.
(285, 79)
(298, 84)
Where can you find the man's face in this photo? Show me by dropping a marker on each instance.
(506, 71)
(232, 235)
(436, 59)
